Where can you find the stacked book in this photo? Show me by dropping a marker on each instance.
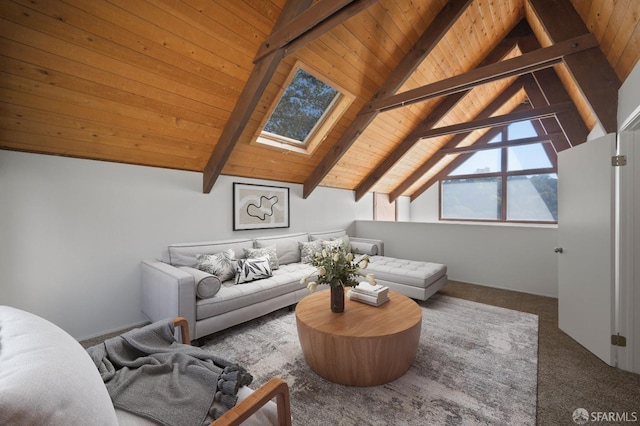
(374, 295)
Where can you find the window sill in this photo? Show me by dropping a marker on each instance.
(504, 224)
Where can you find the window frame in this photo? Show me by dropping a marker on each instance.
(503, 174)
(323, 126)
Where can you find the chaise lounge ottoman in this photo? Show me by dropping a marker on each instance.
(415, 279)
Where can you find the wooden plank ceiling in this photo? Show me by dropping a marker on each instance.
(173, 83)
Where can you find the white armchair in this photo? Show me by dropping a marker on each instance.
(47, 377)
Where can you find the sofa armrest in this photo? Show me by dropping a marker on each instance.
(168, 292)
(275, 387)
(364, 244)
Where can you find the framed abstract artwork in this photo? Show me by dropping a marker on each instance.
(260, 206)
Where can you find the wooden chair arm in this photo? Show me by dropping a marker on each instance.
(184, 328)
(275, 387)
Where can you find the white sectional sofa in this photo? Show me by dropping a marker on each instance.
(172, 286)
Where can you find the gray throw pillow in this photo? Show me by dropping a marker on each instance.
(269, 251)
(219, 264)
(309, 250)
(207, 285)
(331, 245)
(344, 241)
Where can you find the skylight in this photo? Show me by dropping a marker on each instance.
(304, 113)
(302, 105)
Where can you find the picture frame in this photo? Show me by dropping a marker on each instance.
(260, 206)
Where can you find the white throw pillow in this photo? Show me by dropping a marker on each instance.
(252, 269)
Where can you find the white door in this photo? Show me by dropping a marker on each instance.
(586, 236)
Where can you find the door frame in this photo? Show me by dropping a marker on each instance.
(627, 296)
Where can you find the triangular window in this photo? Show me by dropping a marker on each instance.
(512, 183)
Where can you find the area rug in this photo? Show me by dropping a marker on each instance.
(476, 365)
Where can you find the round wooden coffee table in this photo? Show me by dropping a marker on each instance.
(362, 346)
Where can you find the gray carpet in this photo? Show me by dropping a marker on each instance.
(476, 364)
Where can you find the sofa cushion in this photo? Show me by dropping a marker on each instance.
(46, 376)
(248, 270)
(286, 246)
(409, 272)
(231, 297)
(221, 264)
(269, 251)
(308, 250)
(207, 285)
(327, 235)
(184, 254)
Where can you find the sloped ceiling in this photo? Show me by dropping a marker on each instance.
(178, 84)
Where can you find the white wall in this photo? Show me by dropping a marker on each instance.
(513, 257)
(628, 105)
(426, 207)
(403, 209)
(74, 231)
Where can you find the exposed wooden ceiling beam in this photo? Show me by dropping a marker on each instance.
(253, 89)
(507, 94)
(505, 46)
(425, 44)
(483, 140)
(311, 24)
(570, 121)
(522, 113)
(302, 23)
(536, 113)
(549, 125)
(548, 84)
(529, 62)
(590, 69)
(409, 141)
(507, 144)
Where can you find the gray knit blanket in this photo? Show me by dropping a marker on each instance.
(150, 374)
